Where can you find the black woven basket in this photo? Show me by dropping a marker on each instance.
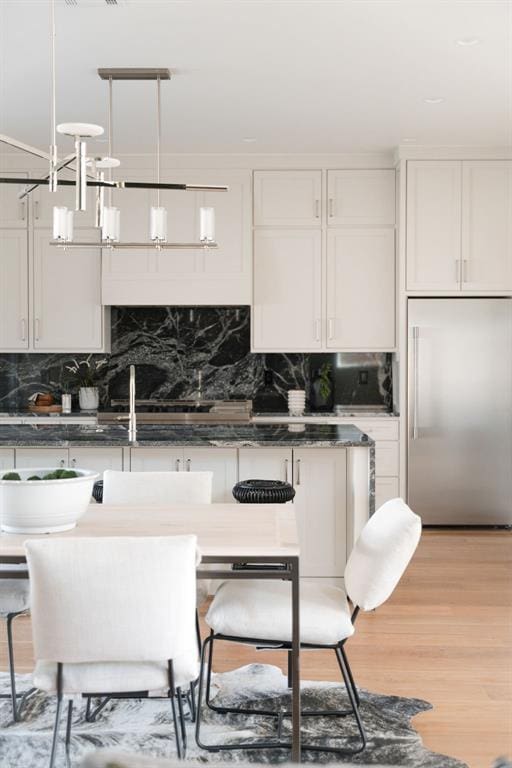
(97, 491)
(263, 492)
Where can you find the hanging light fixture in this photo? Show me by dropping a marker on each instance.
(158, 214)
(62, 224)
(111, 216)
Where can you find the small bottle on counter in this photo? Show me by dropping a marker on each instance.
(66, 403)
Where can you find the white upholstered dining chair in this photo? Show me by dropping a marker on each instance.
(259, 613)
(116, 617)
(156, 488)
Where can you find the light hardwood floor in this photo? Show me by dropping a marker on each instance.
(445, 636)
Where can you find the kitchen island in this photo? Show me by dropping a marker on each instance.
(330, 466)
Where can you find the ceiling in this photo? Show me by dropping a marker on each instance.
(295, 75)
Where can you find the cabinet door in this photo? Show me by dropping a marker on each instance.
(13, 211)
(222, 462)
(320, 481)
(265, 464)
(6, 459)
(386, 488)
(361, 199)
(433, 238)
(361, 289)
(68, 315)
(41, 457)
(13, 290)
(97, 459)
(156, 459)
(287, 198)
(487, 225)
(287, 290)
(44, 201)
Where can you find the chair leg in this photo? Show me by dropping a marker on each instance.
(352, 698)
(56, 731)
(177, 734)
(290, 674)
(10, 653)
(198, 632)
(350, 676)
(179, 696)
(192, 702)
(69, 723)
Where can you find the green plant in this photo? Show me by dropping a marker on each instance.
(86, 371)
(11, 476)
(325, 380)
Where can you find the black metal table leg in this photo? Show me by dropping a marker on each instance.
(295, 661)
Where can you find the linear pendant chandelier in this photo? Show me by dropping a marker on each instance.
(90, 172)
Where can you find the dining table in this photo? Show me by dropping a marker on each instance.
(263, 536)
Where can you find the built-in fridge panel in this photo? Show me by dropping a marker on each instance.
(460, 410)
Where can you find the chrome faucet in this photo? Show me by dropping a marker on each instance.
(132, 424)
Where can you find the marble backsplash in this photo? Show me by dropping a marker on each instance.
(170, 345)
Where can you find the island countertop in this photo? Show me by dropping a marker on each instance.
(225, 436)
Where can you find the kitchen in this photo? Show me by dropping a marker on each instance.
(298, 310)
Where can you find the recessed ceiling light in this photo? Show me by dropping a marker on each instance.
(249, 139)
(468, 41)
(433, 100)
(408, 140)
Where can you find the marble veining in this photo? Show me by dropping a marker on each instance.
(170, 344)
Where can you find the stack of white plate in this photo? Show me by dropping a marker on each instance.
(296, 402)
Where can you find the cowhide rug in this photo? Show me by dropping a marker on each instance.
(145, 725)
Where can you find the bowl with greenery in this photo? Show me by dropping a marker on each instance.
(43, 500)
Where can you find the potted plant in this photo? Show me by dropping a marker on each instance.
(322, 389)
(86, 372)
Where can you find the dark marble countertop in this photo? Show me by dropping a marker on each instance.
(233, 435)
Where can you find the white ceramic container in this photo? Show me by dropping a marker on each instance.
(88, 398)
(44, 506)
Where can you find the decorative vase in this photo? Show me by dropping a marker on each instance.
(89, 398)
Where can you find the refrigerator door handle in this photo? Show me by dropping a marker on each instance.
(415, 348)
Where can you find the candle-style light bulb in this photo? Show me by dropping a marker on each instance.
(207, 225)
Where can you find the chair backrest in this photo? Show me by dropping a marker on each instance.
(113, 599)
(157, 488)
(381, 554)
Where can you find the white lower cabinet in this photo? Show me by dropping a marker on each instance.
(320, 481)
(386, 488)
(41, 457)
(96, 459)
(156, 459)
(6, 458)
(222, 462)
(265, 464)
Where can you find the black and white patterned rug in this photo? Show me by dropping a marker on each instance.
(146, 725)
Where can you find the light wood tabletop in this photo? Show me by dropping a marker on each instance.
(223, 530)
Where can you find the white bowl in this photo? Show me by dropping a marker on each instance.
(44, 506)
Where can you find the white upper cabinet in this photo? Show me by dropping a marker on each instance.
(487, 225)
(183, 276)
(287, 198)
(13, 211)
(287, 306)
(14, 316)
(433, 238)
(361, 199)
(361, 289)
(67, 308)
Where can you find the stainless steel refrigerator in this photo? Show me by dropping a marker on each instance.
(460, 410)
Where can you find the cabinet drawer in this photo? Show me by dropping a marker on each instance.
(378, 429)
(386, 488)
(387, 460)
(41, 457)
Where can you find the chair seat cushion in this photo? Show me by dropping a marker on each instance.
(14, 593)
(115, 677)
(262, 610)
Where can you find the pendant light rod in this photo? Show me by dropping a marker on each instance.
(52, 177)
(117, 246)
(158, 137)
(110, 134)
